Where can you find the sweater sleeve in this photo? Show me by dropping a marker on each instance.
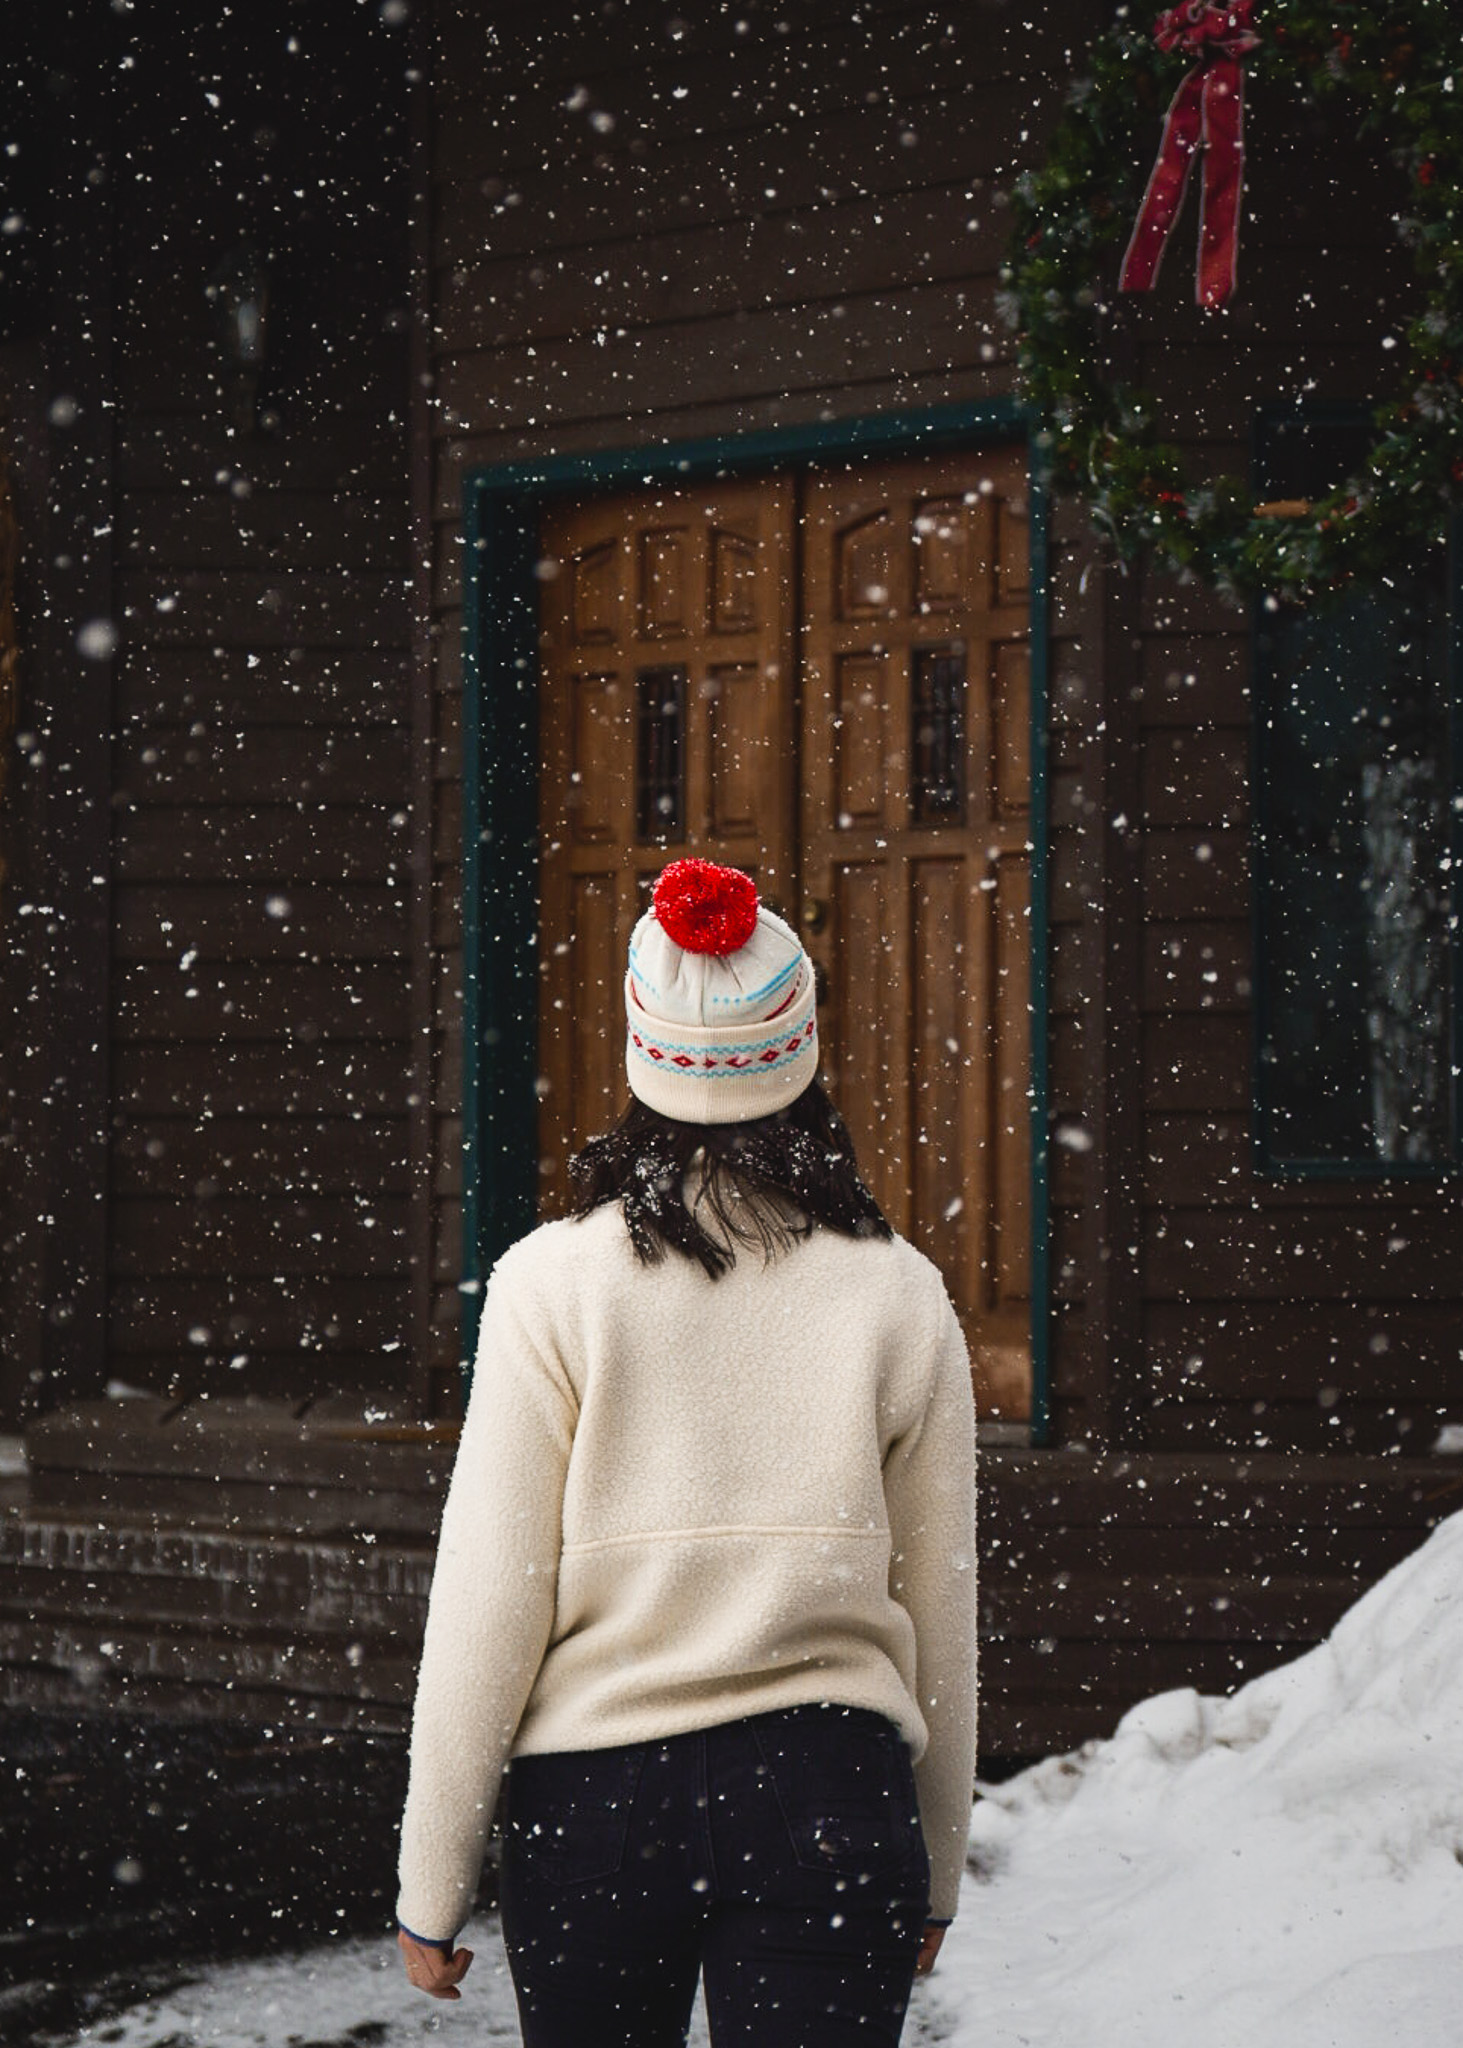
(929, 1486)
(490, 1614)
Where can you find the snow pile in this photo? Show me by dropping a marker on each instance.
(1283, 1868)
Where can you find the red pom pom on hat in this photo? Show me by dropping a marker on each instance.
(705, 908)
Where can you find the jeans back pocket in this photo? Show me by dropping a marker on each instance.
(568, 1815)
(845, 1785)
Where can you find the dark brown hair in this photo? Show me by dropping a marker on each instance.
(764, 1183)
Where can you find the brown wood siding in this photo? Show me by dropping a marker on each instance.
(1101, 1578)
(657, 233)
(1198, 1305)
(1074, 900)
(261, 816)
(1281, 1316)
(70, 693)
(643, 234)
(23, 945)
(638, 231)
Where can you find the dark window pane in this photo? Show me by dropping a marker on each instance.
(1310, 454)
(660, 755)
(1355, 785)
(937, 736)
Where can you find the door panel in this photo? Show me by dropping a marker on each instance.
(914, 835)
(667, 705)
(874, 781)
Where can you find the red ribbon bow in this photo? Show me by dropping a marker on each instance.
(1207, 112)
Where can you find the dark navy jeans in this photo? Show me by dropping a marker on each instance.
(779, 1857)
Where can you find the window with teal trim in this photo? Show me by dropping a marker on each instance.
(1356, 839)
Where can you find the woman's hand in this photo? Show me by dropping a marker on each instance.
(430, 1970)
(929, 1948)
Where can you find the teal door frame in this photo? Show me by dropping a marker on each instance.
(500, 798)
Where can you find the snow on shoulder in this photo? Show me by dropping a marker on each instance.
(1282, 1868)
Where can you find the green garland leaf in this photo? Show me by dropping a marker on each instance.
(1401, 67)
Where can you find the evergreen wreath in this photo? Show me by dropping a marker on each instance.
(1402, 66)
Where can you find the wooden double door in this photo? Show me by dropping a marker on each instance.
(822, 679)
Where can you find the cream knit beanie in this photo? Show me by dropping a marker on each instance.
(719, 999)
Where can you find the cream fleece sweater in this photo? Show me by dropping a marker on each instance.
(677, 1502)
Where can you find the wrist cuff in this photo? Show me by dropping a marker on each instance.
(427, 1940)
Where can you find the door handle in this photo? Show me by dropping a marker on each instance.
(814, 914)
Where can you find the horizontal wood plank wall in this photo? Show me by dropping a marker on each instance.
(22, 946)
(647, 232)
(1102, 1579)
(261, 853)
(1095, 1121)
(657, 229)
(1268, 1315)
(1228, 1311)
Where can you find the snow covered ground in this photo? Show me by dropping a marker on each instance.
(1280, 1869)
